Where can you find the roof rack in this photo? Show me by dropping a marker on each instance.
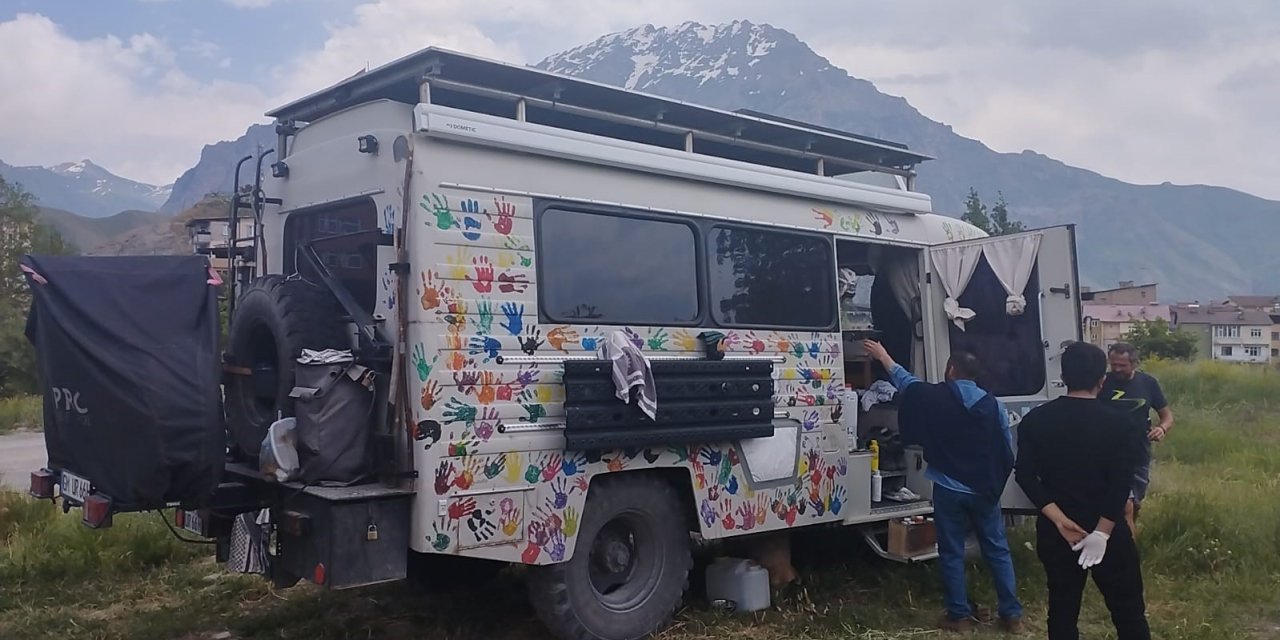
(452, 79)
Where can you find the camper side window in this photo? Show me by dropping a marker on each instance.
(615, 269)
(1010, 348)
(345, 235)
(771, 278)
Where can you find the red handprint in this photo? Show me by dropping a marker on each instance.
(755, 345)
(531, 553)
(551, 467)
(508, 283)
(444, 477)
(728, 522)
(748, 516)
(506, 215)
(460, 509)
(483, 281)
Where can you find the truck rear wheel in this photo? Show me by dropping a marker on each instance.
(630, 569)
(275, 319)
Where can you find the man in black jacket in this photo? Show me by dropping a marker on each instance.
(1076, 460)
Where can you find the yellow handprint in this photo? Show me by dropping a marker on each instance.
(514, 471)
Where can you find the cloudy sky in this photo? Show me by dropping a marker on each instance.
(1144, 90)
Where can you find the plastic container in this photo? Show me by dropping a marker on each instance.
(740, 585)
(877, 486)
(849, 417)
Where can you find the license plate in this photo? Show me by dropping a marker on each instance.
(192, 522)
(74, 487)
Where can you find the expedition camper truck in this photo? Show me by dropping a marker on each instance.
(480, 234)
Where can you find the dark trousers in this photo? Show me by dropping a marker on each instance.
(1118, 577)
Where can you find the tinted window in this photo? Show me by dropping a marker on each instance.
(346, 237)
(609, 269)
(1009, 348)
(765, 278)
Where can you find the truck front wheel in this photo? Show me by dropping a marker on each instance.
(630, 568)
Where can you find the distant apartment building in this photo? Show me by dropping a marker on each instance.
(1107, 324)
(1227, 332)
(210, 235)
(1127, 293)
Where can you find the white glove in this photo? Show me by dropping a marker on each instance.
(1091, 549)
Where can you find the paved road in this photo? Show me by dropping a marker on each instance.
(20, 454)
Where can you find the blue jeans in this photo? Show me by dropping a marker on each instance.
(955, 514)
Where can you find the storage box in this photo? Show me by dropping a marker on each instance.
(911, 538)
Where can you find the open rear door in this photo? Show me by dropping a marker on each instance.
(1020, 351)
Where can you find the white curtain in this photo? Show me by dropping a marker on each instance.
(955, 266)
(902, 268)
(1012, 259)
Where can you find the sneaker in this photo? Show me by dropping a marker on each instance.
(980, 613)
(963, 625)
(1011, 625)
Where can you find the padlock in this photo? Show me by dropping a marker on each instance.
(373, 532)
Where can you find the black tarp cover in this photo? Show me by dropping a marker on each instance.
(127, 350)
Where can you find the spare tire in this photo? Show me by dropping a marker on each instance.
(274, 320)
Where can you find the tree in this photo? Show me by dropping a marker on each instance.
(996, 221)
(975, 213)
(1000, 222)
(21, 233)
(1155, 338)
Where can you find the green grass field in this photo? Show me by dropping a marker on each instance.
(1210, 538)
(20, 412)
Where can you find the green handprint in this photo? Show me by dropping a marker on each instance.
(658, 341)
(570, 526)
(421, 364)
(438, 206)
(525, 261)
(441, 541)
(726, 470)
(682, 453)
(485, 324)
(456, 411)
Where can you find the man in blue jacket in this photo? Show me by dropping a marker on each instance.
(964, 432)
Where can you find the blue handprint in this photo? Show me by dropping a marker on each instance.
(589, 343)
(389, 287)
(471, 228)
(486, 345)
(389, 220)
(732, 487)
(710, 457)
(515, 318)
(572, 466)
(837, 500)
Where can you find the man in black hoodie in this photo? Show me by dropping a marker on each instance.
(1076, 460)
(964, 432)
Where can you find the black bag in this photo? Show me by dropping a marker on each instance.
(127, 350)
(334, 413)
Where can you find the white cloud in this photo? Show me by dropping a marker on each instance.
(1131, 91)
(249, 4)
(121, 102)
(1150, 91)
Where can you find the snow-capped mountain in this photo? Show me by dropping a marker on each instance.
(759, 67)
(763, 68)
(86, 188)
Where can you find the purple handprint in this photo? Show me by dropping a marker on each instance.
(708, 513)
